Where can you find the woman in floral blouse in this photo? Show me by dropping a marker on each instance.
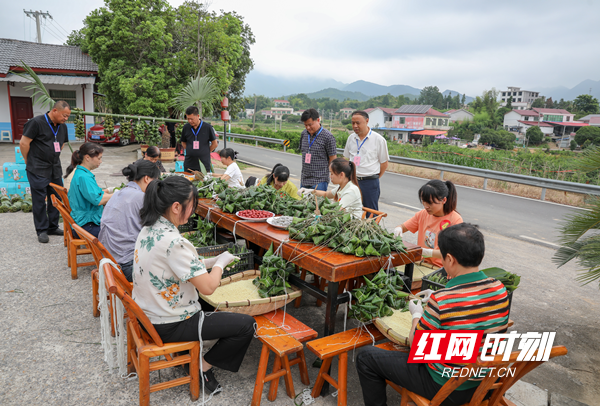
(167, 271)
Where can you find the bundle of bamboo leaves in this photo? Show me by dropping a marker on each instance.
(379, 297)
(274, 273)
(340, 231)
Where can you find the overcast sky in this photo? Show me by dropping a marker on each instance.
(466, 46)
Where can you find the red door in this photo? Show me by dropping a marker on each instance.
(22, 110)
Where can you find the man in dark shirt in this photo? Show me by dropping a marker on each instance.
(42, 141)
(198, 141)
(318, 150)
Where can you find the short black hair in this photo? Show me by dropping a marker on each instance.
(228, 153)
(161, 194)
(310, 113)
(153, 152)
(61, 105)
(464, 242)
(192, 111)
(361, 113)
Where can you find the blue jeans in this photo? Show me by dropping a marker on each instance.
(320, 186)
(370, 193)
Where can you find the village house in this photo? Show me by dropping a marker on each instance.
(66, 72)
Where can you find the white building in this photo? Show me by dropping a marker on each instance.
(521, 99)
(591, 119)
(459, 115)
(66, 72)
(278, 112)
(512, 118)
(249, 113)
(380, 117)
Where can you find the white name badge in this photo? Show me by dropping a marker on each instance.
(57, 147)
(356, 160)
(196, 145)
(307, 158)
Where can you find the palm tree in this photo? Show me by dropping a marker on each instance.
(40, 93)
(580, 236)
(201, 90)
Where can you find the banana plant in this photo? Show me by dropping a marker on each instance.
(40, 94)
(201, 92)
(580, 235)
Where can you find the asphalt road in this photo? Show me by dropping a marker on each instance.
(511, 216)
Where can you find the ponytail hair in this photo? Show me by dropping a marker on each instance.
(435, 191)
(228, 153)
(88, 148)
(139, 169)
(161, 194)
(348, 168)
(279, 172)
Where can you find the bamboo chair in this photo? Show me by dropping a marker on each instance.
(144, 343)
(62, 192)
(376, 215)
(491, 383)
(73, 244)
(99, 252)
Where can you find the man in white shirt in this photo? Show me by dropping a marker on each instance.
(368, 150)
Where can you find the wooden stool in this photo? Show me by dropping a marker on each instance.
(339, 344)
(282, 343)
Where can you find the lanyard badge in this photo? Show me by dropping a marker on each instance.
(356, 159)
(196, 144)
(56, 143)
(308, 155)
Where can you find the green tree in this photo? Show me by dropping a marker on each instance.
(572, 145)
(549, 103)
(540, 102)
(585, 103)
(76, 38)
(580, 239)
(509, 103)
(146, 51)
(130, 42)
(463, 101)
(590, 133)
(534, 135)
(198, 92)
(426, 141)
(431, 95)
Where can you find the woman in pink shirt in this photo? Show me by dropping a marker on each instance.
(439, 201)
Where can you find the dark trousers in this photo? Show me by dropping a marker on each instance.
(234, 332)
(370, 193)
(45, 215)
(92, 228)
(375, 365)
(127, 269)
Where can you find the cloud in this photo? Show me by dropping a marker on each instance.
(466, 45)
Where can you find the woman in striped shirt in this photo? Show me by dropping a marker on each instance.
(470, 301)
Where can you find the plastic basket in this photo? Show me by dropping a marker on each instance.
(428, 284)
(190, 225)
(245, 255)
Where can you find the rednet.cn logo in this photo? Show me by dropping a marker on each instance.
(463, 347)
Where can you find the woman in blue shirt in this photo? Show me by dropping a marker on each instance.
(87, 199)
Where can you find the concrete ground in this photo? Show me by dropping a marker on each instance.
(51, 354)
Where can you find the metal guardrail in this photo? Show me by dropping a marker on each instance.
(257, 139)
(486, 174)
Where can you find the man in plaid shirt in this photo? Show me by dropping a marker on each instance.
(318, 150)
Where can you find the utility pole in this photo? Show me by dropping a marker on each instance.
(37, 15)
(254, 114)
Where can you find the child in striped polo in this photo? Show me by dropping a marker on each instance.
(470, 301)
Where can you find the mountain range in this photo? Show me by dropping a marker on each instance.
(272, 86)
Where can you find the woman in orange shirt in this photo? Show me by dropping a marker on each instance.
(439, 201)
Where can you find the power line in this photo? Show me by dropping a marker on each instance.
(60, 26)
(54, 34)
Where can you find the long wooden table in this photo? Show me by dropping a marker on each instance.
(335, 267)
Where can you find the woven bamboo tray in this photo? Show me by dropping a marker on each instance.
(390, 334)
(252, 307)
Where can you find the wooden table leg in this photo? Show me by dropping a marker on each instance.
(274, 384)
